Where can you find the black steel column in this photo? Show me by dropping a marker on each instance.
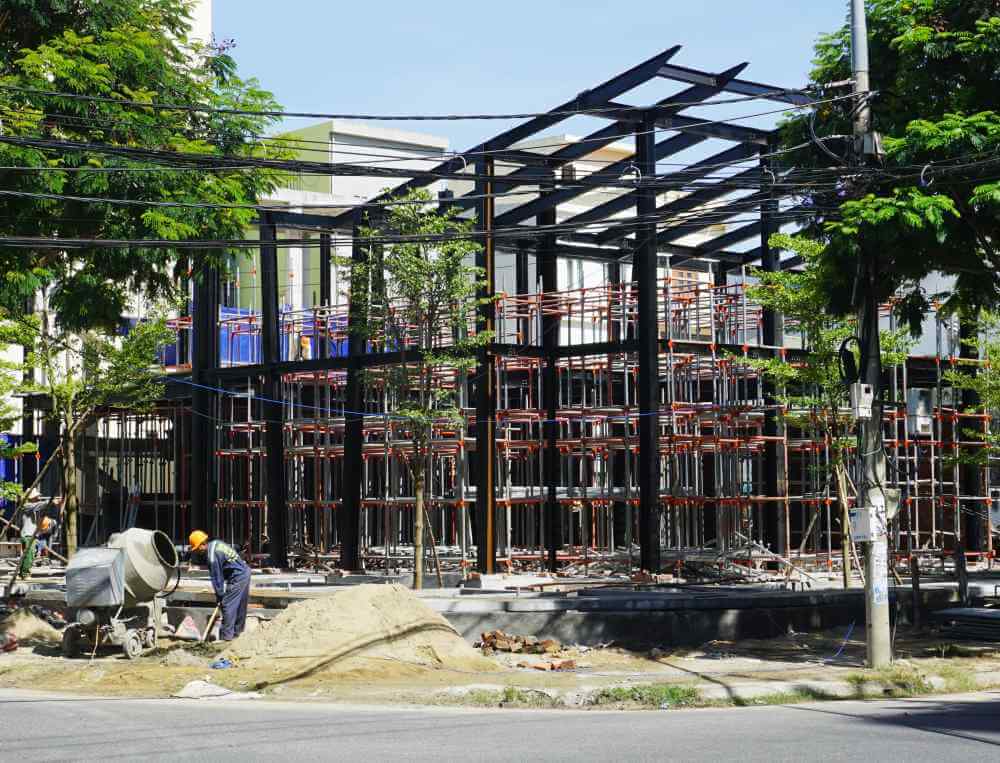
(521, 287)
(485, 378)
(773, 336)
(644, 273)
(548, 270)
(204, 361)
(325, 292)
(274, 440)
(349, 514)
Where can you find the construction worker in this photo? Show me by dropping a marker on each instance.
(230, 579)
(28, 545)
(44, 535)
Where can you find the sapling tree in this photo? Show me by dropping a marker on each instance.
(813, 395)
(418, 293)
(82, 374)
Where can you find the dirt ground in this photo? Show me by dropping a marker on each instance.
(824, 656)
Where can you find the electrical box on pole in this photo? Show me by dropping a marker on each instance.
(862, 397)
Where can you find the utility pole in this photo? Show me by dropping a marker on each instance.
(871, 456)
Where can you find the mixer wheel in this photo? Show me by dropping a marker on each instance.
(70, 642)
(132, 645)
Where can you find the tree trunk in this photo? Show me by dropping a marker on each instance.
(418, 530)
(845, 522)
(71, 504)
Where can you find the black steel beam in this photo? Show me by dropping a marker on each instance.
(720, 243)
(644, 273)
(288, 219)
(665, 148)
(738, 86)
(204, 361)
(691, 201)
(603, 137)
(274, 441)
(589, 99)
(709, 127)
(486, 402)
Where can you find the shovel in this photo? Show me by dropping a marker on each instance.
(211, 622)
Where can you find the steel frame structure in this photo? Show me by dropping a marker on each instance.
(622, 419)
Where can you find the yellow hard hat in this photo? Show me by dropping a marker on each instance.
(45, 524)
(197, 539)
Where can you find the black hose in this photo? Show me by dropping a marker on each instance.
(176, 583)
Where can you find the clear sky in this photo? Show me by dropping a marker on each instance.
(443, 56)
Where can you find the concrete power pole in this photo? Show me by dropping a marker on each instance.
(871, 457)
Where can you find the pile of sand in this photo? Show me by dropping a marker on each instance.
(28, 627)
(368, 630)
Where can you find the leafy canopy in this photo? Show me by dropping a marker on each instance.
(418, 294)
(120, 49)
(933, 205)
(813, 392)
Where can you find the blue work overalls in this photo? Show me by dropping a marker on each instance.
(231, 581)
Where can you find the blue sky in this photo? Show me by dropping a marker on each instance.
(443, 56)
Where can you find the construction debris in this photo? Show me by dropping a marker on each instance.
(498, 641)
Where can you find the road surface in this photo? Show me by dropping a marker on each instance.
(38, 727)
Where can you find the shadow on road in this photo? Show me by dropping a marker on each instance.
(963, 719)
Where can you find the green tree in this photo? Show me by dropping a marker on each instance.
(932, 205)
(83, 374)
(418, 295)
(136, 50)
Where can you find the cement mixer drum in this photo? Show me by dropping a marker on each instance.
(150, 562)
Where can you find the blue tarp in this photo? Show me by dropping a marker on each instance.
(240, 342)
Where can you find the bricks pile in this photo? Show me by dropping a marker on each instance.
(498, 641)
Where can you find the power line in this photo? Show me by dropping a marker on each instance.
(163, 106)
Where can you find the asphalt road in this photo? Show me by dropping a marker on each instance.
(38, 728)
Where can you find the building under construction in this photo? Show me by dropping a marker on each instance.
(614, 422)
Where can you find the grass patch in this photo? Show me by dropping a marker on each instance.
(896, 680)
(648, 695)
(781, 698)
(509, 696)
(957, 680)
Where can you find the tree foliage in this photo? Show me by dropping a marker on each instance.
(418, 295)
(82, 374)
(932, 205)
(136, 50)
(814, 384)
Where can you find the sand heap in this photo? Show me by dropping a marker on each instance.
(367, 630)
(25, 626)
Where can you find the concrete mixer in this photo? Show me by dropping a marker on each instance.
(112, 592)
